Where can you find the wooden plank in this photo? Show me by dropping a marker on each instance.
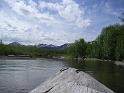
(71, 81)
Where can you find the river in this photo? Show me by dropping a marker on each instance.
(21, 76)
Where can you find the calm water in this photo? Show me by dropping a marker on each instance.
(20, 76)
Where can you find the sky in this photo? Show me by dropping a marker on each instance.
(56, 21)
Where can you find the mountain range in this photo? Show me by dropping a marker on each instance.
(47, 46)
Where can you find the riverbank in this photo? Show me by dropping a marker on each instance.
(71, 81)
(15, 57)
(118, 63)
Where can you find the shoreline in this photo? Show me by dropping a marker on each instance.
(118, 63)
(15, 57)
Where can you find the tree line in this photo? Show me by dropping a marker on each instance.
(6, 50)
(108, 45)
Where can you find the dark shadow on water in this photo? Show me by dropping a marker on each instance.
(106, 72)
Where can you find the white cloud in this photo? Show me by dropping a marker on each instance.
(70, 11)
(9, 22)
(42, 22)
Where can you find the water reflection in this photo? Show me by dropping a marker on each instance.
(20, 76)
(105, 72)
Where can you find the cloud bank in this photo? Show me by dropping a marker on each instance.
(40, 21)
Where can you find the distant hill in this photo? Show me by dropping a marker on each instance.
(46, 46)
(15, 44)
(61, 47)
(64, 46)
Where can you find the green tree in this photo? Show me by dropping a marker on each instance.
(78, 49)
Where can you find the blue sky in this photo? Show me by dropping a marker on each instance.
(56, 21)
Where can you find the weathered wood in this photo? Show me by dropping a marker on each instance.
(71, 81)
